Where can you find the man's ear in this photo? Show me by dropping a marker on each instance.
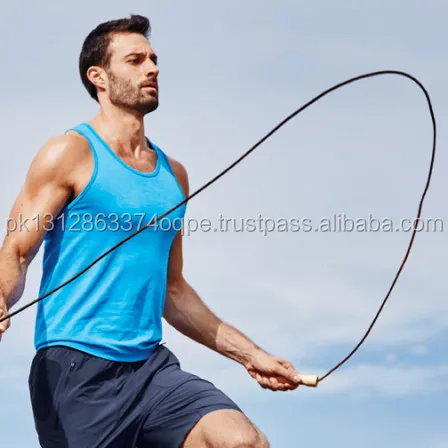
(97, 76)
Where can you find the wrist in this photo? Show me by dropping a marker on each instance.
(233, 344)
(249, 356)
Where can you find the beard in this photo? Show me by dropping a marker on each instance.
(124, 94)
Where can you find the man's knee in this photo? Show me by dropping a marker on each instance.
(251, 437)
(262, 440)
(227, 428)
(247, 436)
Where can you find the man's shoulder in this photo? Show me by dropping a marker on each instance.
(180, 172)
(58, 156)
(63, 148)
(176, 165)
(65, 143)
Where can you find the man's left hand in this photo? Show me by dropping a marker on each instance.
(272, 372)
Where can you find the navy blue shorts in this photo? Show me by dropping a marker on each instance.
(82, 401)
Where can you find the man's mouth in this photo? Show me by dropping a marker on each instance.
(150, 85)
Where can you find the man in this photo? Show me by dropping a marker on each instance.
(101, 376)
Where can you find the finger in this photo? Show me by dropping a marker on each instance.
(5, 325)
(290, 374)
(294, 376)
(285, 363)
(252, 373)
(280, 384)
(285, 387)
(259, 378)
(262, 381)
(275, 383)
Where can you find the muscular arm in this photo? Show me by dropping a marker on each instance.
(45, 191)
(185, 310)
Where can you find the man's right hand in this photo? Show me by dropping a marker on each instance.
(4, 325)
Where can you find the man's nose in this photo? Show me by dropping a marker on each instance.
(151, 69)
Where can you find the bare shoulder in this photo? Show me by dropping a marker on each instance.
(58, 156)
(62, 148)
(181, 174)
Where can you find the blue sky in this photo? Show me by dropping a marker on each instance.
(229, 73)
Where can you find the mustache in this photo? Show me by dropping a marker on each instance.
(151, 83)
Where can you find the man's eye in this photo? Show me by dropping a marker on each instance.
(133, 61)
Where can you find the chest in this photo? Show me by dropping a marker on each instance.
(117, 197)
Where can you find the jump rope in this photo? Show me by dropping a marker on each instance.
(307, 380)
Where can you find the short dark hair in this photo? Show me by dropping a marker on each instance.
(95, 49)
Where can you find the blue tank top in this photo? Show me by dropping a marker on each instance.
(114, 310)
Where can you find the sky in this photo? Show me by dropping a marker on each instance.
(229, 73)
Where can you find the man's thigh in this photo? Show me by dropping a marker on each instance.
(73, 398)
(183, 399)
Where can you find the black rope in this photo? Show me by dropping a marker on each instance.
(326, 92)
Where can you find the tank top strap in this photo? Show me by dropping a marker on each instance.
(166, 164)
(96, 142)
(161, 155)
(86, 131)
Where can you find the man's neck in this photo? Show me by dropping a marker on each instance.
(122, 129)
